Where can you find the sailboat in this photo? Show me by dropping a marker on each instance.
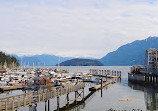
(62, 75)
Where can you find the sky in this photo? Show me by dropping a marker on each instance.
(74, 28)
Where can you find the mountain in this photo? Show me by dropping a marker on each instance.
(43, 60)
(47, 60)
(81, 62)
(130, 54)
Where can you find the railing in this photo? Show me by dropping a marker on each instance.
(23, 100)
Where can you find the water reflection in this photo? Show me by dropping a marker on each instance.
(76, 106)
(150, 95)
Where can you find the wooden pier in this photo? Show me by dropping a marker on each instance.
(104, 73)
(28, 99)
(8, 88)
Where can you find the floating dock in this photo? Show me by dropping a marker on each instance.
(8, 88)
(97, 87)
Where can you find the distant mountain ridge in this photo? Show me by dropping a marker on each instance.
(40, 60)
(127, 55)
(81, 62)
(131, 53)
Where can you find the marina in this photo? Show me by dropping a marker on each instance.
(71, 88)
(110, 98)
(46, 84)
(78, 55)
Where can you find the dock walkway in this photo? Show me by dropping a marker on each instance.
(97, 87)
(23, 100)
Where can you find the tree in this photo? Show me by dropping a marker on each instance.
(8, 60)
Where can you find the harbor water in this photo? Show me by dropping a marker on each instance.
(145, 97)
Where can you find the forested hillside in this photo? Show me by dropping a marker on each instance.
(8, 60)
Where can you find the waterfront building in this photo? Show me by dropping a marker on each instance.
(151, 61)
(147, 72)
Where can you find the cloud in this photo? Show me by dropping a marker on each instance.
(87, 28)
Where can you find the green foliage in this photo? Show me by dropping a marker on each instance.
(8, 60)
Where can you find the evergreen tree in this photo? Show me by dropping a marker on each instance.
(8, 60)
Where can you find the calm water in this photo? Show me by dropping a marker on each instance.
(146, 97)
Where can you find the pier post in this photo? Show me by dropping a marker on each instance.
(83, 94)
(36, 107)
(13, 104)
(58, 103)
(30, 107)
(145, 78)
(6, 105)
(98, 72)
(48, 104)
(149, 78)
(101, 83)
(153, 79)
(75, 97)
(120, 74)
(67, 99)
(45, 105)
(106, 75)
(101, 87)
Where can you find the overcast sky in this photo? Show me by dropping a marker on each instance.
(74, 28)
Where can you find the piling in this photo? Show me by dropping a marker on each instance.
(101, 87)
(83, 94)
(45, 105)
(67, 99)
(76, 97)
(58, 103)
(30, 107)
(48, 105)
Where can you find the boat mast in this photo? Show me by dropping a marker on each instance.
(58, 62)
